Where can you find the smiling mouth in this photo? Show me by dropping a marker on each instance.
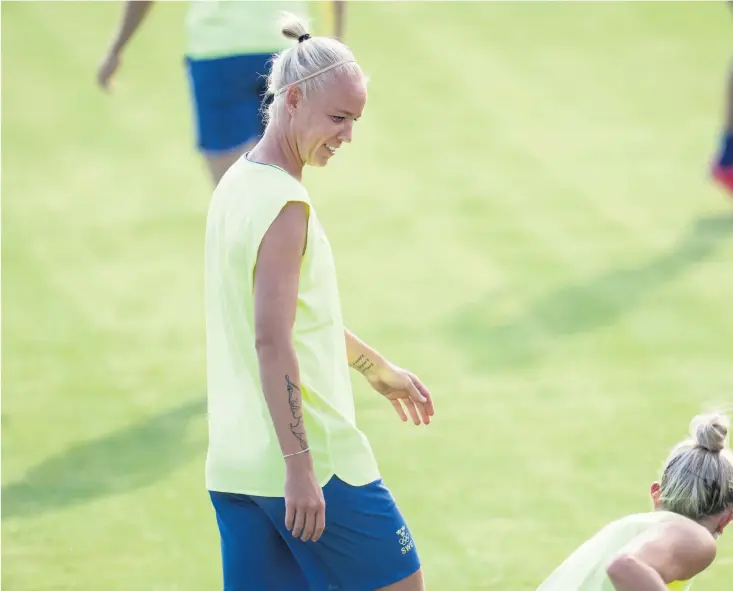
(330, 149)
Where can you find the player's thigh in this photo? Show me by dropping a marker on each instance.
(254, 555)
(366, 545)
(367, 542)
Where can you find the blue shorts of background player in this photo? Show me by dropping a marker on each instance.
(366, 544)
(228, 96)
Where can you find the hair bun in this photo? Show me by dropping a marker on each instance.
(292, 27)
(711, 431)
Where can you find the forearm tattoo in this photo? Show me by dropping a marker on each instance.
(296, 427)
(362, 365)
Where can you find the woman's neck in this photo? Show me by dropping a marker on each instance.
(711, 524)
(277, 149)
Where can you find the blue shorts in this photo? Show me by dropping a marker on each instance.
(366, 544)
(228, 97)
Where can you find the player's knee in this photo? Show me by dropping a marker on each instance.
(414, 582)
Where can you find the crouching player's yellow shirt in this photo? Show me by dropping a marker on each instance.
(585, 569)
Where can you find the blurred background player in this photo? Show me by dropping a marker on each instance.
(723, 165)
(229, 44)
(666, 548)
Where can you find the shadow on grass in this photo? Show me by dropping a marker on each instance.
(119, 462)
(578, 308)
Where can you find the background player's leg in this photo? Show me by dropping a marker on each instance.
(725, 156)
(219, 163)
(245, 111)
(723, 165)
(227, 95)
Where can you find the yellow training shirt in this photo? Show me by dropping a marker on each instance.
(244, 455)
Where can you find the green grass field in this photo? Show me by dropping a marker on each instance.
(524, 219)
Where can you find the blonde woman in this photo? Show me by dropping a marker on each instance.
(296, 488)
(666, 548)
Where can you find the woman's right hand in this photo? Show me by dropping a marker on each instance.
(305, 507)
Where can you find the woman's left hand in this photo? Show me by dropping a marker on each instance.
(405, 391)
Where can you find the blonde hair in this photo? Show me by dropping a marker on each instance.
(697, 479)
(310, 65)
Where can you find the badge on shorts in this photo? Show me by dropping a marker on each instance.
(405, 539)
